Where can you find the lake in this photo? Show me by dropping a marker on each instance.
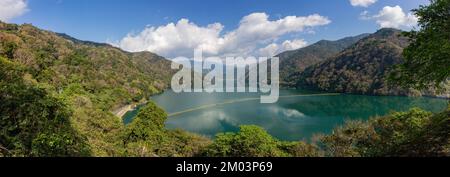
(298, 115)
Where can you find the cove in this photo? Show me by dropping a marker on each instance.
(298, 114)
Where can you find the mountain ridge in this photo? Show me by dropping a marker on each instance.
(362, 68)
(297, 60)
(92, 78)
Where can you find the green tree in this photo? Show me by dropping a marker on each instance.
(250, 141)
(32, 121)
(413, 133)
(8, 49)
(147, 126)
(427, 58)
(146, 136)
(350, 140)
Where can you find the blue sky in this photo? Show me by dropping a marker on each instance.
(113, 20)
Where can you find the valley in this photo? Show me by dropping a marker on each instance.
(64, 97)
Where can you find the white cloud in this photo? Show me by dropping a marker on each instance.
(274, 48)
(394, 17)
(362, 3)
(365, 15)
(10, 9)
(269, 50)
(180, 39)
(254, 30)
(295, 44)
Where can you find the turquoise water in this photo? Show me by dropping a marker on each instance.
(293, 117)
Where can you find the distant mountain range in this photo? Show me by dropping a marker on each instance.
(46, 73)
(295, 61)
(358, 65)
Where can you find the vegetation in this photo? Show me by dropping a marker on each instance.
(416, 133)
(253, 141)
(296, 61)
(413, 133)
(361, 68)
(73, 83)
(427, 58)
(364, 68)
(388, 62)
(146, 136)
(58, 93)
(34, 122)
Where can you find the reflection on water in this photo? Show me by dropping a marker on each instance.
(291, 118)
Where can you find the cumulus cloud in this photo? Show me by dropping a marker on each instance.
(391, 17)
(174, 38)
(269, 50)
(362, 3)
(394, 17)
(274, 48)
(295, 44)
(253, 33)
(10, 9)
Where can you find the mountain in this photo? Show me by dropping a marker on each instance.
(361, 68)
(295, 61)
(86, 81)
(61, 61)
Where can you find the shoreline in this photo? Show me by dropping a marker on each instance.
(127, 108)
(123, 110)
(120, 112)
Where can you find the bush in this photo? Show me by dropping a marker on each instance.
(412, 133)
(147, 137)
(250, 141)
(32, 121)
(8, 49)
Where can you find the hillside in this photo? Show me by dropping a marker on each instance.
(297, 60)
(88, 80)
(361, 68)
(61, 61)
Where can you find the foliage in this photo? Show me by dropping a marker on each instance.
(92, 80)
(300, 149)
(296, 61)
(32, 121)
(347, 141)
(147, 124)
(8, 49)
(361, 68)
(147, 137)
(250, 141)
(253, 141)
(413, 133)
(57, 94)
(427, 58)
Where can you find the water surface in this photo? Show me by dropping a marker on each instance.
(293, 117)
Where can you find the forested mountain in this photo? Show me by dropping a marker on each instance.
(297, 60)
(60, 61)
(57, 92)
(362, 68)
